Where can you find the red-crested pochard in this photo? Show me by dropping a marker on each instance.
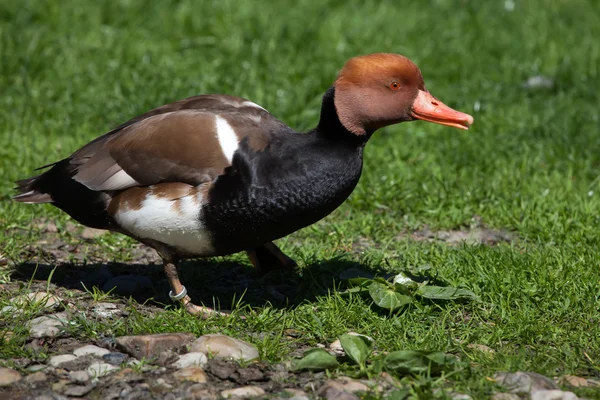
(215, 174)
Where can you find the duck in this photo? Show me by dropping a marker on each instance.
(215, 174)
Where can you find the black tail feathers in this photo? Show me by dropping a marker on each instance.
(30, 191)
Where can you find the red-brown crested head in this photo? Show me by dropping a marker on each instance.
(383, 89)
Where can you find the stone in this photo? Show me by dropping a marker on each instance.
(190, 359)
(193, 374)
(482, 348)
(78, 391)
(245, 392)
(505, 396)
(524, 382)
(55, 361)
(595, 383)
(36, 367)
(90, 349)
(163, 384)
(126, 375)
(36, 377)
(575, 381)
(221, 369)
(79, 376)
(42, 299)
(60, 385)
(78, 363)
(47, 326)
(147, 346)
(460, 396)
(8, 376)
(167, 357)
(199, 391)
(106, 310)
(294, 394)
(128, 285)
(99, 369)
(332, 393)
(115, 358)
(343, 383)
(221, 346)
(246, 375)
(553, 395)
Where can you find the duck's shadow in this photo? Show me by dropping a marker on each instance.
(214, 282)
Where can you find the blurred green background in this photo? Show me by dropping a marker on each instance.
(71, 70)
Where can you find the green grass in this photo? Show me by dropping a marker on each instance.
(71, 70)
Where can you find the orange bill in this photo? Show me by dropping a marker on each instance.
(428, 108)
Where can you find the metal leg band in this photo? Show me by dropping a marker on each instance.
(177, 297)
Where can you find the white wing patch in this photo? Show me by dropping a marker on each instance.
(173, 222)
(101, 172)
(120, 180)
(227, 137)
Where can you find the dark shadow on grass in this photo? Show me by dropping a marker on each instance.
(213, 282)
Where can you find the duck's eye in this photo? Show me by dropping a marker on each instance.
(394, 85)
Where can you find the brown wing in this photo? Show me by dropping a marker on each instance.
(177, 142)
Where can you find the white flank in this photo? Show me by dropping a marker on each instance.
(227, 138)
(251, 104)
(179, 227)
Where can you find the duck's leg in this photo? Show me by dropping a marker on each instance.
(268, 257)
(179, 293)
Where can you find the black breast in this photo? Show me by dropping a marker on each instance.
(297, 180)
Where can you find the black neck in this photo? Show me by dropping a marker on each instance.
(330, 127)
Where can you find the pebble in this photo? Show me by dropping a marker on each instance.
(245, 392)
(36, 367)
(41, 299)
(60, 385)
(524, 382)
(47, 326)
(128, 285)
(460, 396)
(246, 375)
(106, 310)
(343, 383)
(147, 346)
(79, 376)
(36, 377)
(198, 391)
(190, 359)
(553, 395)
(90, 349)
(193, 374)
(160, 382)
(221, 346)
(55, 361)
(294, 394)
(99, 369)
(575, 381)
(78, 391)
(115, 358)
(337, 394)
(506, 396)
(10, 310)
